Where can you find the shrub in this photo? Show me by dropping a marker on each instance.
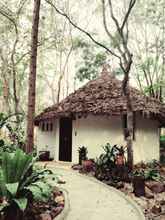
(82, 154)
(20, 183)
(152, 174)
(111, 163)
(15, 133)
(149, 171)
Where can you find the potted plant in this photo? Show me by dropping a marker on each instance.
(138, 183)
(82, 154)
(88, 165)
(120, 159)
(44, 155)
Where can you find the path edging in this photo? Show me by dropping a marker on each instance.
(65, 211)
(110, 188)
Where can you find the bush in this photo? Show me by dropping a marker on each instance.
(152, 174)
(20, 182)
(106, 165)
(82, 154)
(15, 133)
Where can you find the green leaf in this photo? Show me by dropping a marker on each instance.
(6, 166)
(21, 203)
(22, 164)
(3, 190)
(41, 191)
(15, 165)
(12, 188)
(3, 205)
(36, 192)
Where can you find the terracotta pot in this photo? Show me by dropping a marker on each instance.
(139, 186)
(120, 160)
(87, 165)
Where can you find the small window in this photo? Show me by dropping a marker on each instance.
(43, 126)
(51, 126)
(47, 126)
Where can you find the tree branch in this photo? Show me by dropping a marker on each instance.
(113, 17)
(131, 5)
(105, 21)
(82, 30)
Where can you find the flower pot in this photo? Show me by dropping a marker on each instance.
(120, 160)
(44, 155)
(87, 165)
(139, 186)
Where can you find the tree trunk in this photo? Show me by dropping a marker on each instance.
(126, 91)
(6, 94)
(32, 78)
(14, 75)
(130, 138)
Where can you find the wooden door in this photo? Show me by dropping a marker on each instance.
(65, 151)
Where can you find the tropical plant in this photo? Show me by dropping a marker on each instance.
(20, 183)
(6, 147)
(6, 120)
(109, 155)
(153, 164)
(152, 174)
(100, 168)
(82, 154)
(15, 134)
(138, 173)
(106, 163)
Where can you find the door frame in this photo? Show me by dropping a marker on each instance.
(65, 152)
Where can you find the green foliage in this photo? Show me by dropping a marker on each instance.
(13, 168)
(152, 174)
(106, 161)
(91, 58)
(16, 137)
(149, 171)
(148, 174)
(19, 182)
(138, 172)
(15, 165)
(82, 154)
(108, 157)
(162, 138)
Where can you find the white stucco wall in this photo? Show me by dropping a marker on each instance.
(49, 139)
(95, 131)
(146, 144)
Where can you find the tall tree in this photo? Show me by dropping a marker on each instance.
(32, 77)
(11, 64)
(149, 19)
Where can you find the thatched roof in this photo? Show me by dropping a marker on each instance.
(102, 96)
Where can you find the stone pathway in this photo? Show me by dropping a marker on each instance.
(93, 200)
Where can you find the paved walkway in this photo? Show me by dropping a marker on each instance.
(93, 200)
